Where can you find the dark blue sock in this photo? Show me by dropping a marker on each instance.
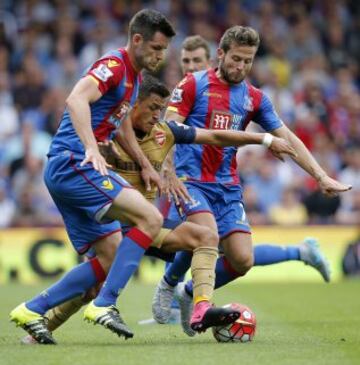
(76, 282)
(224, 274)
(268, 254)
(176, 270)
(127, 259)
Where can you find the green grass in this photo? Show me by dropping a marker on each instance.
(297, 324)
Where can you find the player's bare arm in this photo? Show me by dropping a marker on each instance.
(78, 102)
(306, 160)
(172, 186)
(238, 138)
(126, 138)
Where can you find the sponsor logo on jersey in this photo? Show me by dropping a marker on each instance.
(107, 185)
(220, 120)
(225, 120)
(236, 122)
(214, 95)
(160, 138)
(176, 96)
(102, 72)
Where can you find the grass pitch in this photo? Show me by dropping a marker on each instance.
(297, 324)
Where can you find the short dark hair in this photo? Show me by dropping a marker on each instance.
(147, 22)
(151, 85)
(194, 42)
(242, 36)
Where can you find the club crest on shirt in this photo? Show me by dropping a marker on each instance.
(176, 95)
(102, 72)
(160, 138)
(248, 103)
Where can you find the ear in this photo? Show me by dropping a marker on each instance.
(137, 39)
(220, 53)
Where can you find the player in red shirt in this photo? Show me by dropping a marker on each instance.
(91, 198)
(221, 98)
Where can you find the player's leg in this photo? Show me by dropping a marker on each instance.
(308, 251)
(229, 220)
(131, 206)
(186, 301)
(67, 291)
(198, 212)
(201, 243)
(61, 313)
(236, 262)
(82, 209)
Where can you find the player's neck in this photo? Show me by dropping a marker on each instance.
(132, 59)
(219, 76)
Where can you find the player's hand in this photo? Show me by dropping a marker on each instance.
(280, 146)
(150, 176)
(331, 187)
(174, 188)
(109, 150)
(92, 155)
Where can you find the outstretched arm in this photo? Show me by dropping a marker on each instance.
(306, 160)
(238, 138)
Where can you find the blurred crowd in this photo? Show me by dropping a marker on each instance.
(308, 64)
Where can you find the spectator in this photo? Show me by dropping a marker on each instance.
(307, 64)
(290, 211)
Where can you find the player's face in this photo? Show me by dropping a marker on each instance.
(149, 54)
(146, 113)
(236, 63)
(192, 61)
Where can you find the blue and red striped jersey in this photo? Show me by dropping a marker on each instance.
(207, 102)
(118, 83)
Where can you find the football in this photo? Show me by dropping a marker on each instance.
(242, 330)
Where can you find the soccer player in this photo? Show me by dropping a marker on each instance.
(91, 198)
(195, 56)
(156, 139)
(222, 99)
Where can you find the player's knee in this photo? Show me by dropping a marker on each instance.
(203, 237)
(108, 251)
(209, 238)
(242, 263)
(152, 222)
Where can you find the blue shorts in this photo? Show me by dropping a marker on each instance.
(83, 196)
(223, 201)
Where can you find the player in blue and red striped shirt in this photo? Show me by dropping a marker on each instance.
(91, 198)
(221, 98)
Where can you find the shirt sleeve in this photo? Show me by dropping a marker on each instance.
(266, 115)
(107, 72)
(183, 96)
(182, 133)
